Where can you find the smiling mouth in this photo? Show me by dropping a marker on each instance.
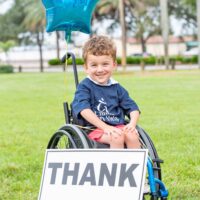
(101, 76)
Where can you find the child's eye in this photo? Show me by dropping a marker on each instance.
(93, 65)
(105, 64)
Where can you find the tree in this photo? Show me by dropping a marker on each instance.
(142, 18)
(58, 44)
(186, 11)
(10, 22)
(165, 29)
(123, 28)
(114, 10)
(5, 46)
(34, 22)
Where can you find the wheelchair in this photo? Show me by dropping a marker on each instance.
(74, 136)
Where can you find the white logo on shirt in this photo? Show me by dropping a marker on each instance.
(103, 113)
(102, 108)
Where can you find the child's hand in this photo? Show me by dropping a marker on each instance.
(112, 131)
(129, 128)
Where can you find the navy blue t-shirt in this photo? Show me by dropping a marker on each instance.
(109, 102)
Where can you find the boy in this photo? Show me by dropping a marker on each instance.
(103, 102)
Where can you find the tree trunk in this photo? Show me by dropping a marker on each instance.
(143, 43)
(198, 25)
(40, 42)
(123, 28)
(165, 29)
(57, 45)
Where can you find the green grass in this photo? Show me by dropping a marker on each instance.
(31, 111)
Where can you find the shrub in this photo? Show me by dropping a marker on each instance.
(179, 59)
(79, 61)
(150, 60)
(119, 61)
(55, 61)
(137, 60)
(132, 60)
(6, 69)
(187, 60)
(194, 59)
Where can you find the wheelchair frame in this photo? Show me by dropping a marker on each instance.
(74, 136)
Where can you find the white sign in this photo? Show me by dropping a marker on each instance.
(93, 174)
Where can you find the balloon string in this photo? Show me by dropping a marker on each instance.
(67, 41)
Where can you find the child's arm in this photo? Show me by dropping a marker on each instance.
(134, 117)
(90, 116)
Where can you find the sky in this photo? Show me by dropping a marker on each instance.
(5, 6)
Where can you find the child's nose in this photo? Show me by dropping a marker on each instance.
(99, 68)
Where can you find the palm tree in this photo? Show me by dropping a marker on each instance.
(198, 24)
(142, 18)
(165, 29)
(114, 10)
(123, 37)
(35, 23)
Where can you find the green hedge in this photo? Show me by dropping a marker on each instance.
(185, 60)
(79, 61)
(6, 69)
(152, 60)
(56, 61)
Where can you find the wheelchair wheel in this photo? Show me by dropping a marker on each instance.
(69, 137)
(148, 144)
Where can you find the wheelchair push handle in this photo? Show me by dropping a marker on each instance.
(63, 60)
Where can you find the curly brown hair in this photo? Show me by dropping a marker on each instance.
(99, 46)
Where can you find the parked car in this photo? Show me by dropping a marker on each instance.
(192, 52)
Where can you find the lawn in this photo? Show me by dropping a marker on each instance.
(31, 111)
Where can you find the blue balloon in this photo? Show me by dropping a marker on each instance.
(69, 15)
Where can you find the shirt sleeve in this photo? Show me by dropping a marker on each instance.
(126, 103)
(81, 100)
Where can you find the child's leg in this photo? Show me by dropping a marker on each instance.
(116, 142)
(131, 139)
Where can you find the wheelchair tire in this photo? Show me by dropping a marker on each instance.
(148, 143)
(152, 152)
(69, 137)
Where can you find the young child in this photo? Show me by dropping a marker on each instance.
(101, 101)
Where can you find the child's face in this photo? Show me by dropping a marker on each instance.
(100, 68)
